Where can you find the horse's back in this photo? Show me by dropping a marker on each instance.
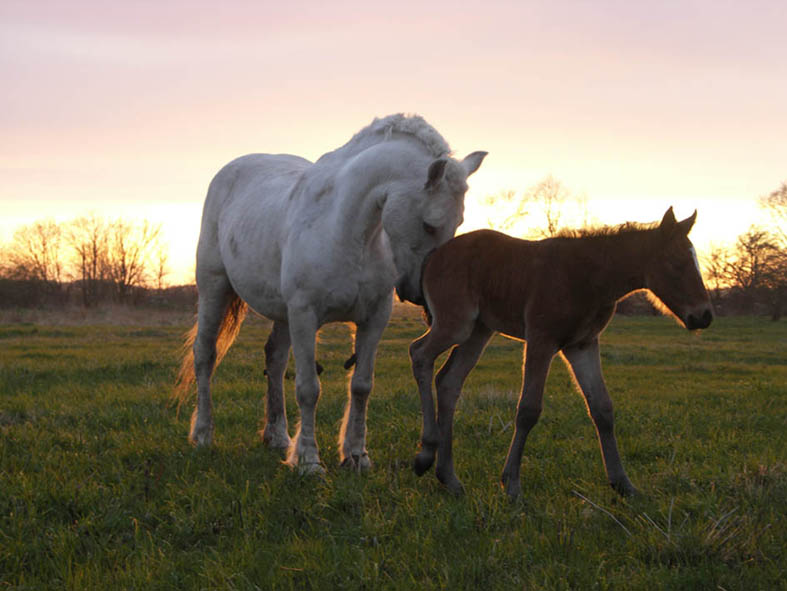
(242, 221)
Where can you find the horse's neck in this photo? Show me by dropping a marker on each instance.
(362, 195)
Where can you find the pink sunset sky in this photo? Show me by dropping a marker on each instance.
(129, 108)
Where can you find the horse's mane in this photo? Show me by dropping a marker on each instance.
(380, 130)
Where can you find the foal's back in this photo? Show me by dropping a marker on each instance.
(516, 286)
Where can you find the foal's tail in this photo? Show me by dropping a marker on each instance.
(230, 325)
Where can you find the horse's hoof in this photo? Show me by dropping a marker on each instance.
(311, 469)
(276, 441)
(201, 438)
(423, 461)
(359, 463)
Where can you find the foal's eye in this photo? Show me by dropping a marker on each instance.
(429, 229)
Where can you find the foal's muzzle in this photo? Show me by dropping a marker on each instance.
(695, 321)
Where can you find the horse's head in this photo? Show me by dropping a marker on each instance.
(674, 276)
(423, 214)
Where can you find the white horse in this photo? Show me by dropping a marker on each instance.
(309, 243)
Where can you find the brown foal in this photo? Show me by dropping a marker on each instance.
(557, 295)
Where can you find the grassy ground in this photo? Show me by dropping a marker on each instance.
(99, 488)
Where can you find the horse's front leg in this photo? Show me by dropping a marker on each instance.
(303, 451)
(585, 362)
(538, 358)
(352, 436)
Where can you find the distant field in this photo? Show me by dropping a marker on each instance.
(99, 488)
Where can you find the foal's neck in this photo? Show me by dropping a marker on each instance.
(623, 259)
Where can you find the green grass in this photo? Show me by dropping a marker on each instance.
(99, 488)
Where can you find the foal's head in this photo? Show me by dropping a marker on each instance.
(674, 274)
(422, 214)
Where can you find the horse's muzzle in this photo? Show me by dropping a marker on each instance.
(698, 321)
(405, 293)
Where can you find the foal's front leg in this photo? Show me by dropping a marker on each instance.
(423, 352)
(585, 362)
(303, 451)
(449, 383)
(352, 436)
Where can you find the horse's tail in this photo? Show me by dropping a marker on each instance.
(230, 325)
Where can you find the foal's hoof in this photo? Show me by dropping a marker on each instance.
(512, 486)
(625, 489)
(359, 463)
(452, 484)
(423, 461)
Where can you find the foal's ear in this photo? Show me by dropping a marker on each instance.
(473, 161)
(668, 223)
(685, 225)
(435, 174)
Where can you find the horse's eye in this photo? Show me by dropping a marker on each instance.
(429, 229)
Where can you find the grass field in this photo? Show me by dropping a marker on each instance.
(99, 488)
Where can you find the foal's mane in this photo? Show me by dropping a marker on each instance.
(381, 130)
(622, 230)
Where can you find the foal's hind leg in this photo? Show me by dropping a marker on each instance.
(277, 352)
(352, 436)
(214, 298)
(449, 387)
(585, 362)
(538, 358)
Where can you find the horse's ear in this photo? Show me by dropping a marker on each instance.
(473, 161)
(685, 225)
(668, 223)
(435, 174)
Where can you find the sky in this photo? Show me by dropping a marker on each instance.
(127, 109)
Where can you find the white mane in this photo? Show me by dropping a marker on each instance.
(381, 130)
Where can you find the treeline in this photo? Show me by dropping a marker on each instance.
(92, 260)
(89, 260)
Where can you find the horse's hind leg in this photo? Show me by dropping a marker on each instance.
(352, 436)
(585, 363)
(277, 352)
(449, 382)
(214, 299)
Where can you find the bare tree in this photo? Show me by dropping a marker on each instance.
(775, 203)
(36, 253)
(754, 269)
(130, 253)
(551, 196)
(509, 209)
(548, 199)
(89, 239)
